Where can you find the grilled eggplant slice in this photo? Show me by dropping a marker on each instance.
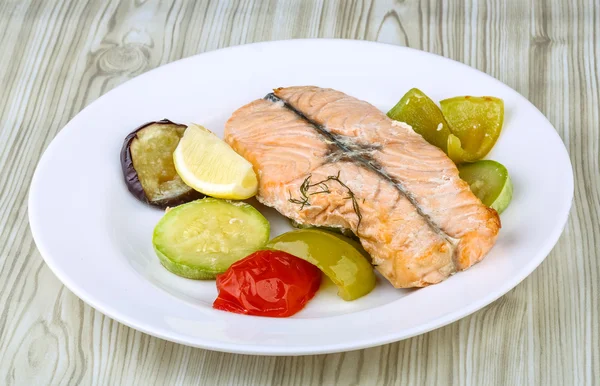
(147, 164)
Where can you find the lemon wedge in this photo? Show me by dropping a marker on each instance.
(210, 166)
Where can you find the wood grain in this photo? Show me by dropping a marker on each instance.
(59, 56)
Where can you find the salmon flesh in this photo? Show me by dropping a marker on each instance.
(324, 158)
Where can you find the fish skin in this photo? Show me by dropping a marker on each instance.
(406, 244)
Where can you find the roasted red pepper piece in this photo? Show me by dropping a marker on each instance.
(267, 283)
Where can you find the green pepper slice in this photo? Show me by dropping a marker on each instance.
(335, 255)
(425, 117)
(475, 123)
(466, 128)
(342, 231)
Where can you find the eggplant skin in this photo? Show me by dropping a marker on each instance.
(132, 180)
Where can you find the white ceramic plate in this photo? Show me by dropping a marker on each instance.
(97, 238)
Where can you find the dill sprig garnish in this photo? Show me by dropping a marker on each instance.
(306, 185)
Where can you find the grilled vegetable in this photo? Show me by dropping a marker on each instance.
(342, 231)
(490, 182)
(335, 255)
(425, 117)
(147, 164)
(475, 123)
(267, 283)
(201, 239)
(466, 128)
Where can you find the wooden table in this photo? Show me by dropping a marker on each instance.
(59, 56)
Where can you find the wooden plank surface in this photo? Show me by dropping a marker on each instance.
(59, 56)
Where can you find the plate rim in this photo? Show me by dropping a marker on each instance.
(253, 349)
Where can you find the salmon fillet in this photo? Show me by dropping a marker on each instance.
(327, 159)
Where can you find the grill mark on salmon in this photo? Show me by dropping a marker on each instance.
(360, 153)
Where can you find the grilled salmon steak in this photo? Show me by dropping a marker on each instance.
(324, 158)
